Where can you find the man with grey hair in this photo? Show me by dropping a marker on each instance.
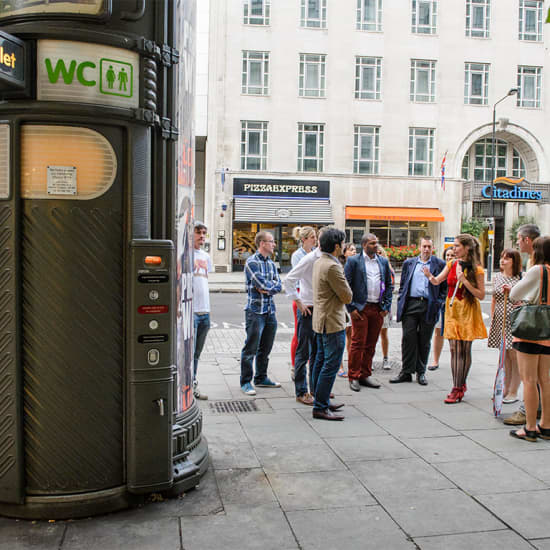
(526, 234)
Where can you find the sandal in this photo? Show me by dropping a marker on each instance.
(543, 433)
(529, 435)
(343, 373)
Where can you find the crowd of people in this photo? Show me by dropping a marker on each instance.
(343, 297)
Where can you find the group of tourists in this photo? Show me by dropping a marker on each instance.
(342, 296)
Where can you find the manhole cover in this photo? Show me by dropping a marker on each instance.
(233, 406)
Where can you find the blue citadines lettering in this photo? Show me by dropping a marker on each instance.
(486, 191)
(514, 193)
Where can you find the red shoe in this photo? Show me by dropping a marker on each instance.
(455, 396)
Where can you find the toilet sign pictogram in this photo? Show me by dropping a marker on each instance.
(116, 77)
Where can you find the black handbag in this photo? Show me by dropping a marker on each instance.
(532, 321)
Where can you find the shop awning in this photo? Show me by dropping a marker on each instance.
(397, 214)
(268, 209)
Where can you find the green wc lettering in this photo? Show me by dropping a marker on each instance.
(68, 74)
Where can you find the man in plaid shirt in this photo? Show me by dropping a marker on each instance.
(262, 283)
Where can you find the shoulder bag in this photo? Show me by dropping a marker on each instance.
(532, 321)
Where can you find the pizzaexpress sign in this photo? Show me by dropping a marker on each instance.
(311, 189)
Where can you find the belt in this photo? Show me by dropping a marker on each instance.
(419, 298)
(372, 303)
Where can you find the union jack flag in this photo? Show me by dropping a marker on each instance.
(443, 171)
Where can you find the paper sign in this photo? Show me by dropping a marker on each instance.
(61, 180)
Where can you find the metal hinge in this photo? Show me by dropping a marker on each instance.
(167, 130)
(146, 115)
(169, 56)
(148, 47)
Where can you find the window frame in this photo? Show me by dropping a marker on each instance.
(370, 25)
(260, 20)
(469, 72)
(245, 154)
(360, 130)
(247, 59)
(374, 63)
(416, 27)
(310, 128)
(534, 103)
(484, 162)
(415, 133)
(308, 59)
(518, 164)
(414, 95)
(308, 22)
(526, 6)
(472, 31)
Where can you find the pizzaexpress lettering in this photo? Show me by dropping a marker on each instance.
(278, 188)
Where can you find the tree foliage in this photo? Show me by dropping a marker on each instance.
(522, 220)
(473, 226)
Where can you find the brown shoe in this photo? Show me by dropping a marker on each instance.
(305, 399)
(517, 419)
(337, 406)
(326, 415)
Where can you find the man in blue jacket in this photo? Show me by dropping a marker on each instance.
(418, 307)
(369, 277)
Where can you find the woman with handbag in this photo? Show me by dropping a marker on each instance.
(463, 320)
(531, 340)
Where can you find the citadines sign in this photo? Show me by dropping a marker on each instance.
(87, 73)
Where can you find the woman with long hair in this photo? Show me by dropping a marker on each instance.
(463, 320)
(509, 276)
(349, 250)
(307, 237)
(534, 356)
(438, 339)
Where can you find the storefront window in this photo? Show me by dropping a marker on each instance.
(398, 233)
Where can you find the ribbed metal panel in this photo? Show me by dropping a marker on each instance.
(72, 344)
(282, 210)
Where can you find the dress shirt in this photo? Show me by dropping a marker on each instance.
(261, 273)
(373, 279)
(302, 274)
(419, 281)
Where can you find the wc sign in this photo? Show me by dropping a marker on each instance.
(87, 73)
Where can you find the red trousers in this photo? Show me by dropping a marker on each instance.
(364, 335)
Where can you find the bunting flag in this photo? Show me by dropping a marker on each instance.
(443, 171)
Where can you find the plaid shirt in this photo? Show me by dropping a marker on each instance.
(261, 273)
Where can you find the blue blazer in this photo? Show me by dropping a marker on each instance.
(356, 274)
(436, 294)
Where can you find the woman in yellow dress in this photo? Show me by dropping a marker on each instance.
(463, 320)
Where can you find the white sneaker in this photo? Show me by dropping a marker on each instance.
(248, 389)
(386, 365)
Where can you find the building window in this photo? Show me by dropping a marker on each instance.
(422, 80)
(482, 209)
(311, 147)
(256, 12)
(530, 20)
(368, 76)
(400, 233)
(366, 150)
(369, 15)
(314, 14)
(518, 166)
(255, 73)
(312, 75)
(478, 18)
(466, 167)
(476, 83)
(424, 16)
(483, 151)
(421, 151)
(529, 79)
(253, 145)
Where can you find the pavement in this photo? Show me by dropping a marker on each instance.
(402, 471)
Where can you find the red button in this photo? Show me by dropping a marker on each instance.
(153, 310)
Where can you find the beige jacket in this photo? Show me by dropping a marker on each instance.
(330, 294)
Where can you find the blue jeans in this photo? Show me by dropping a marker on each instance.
(330, 349)
(306, 351)
(260, 334)
(201, 322)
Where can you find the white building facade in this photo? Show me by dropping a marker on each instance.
(348, 112)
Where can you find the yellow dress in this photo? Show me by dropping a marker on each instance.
(463, 321)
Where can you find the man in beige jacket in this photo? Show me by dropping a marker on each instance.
(330, 294)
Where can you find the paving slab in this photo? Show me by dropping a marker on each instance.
(536, 464)
(117, 532)
(492, 540)
(448, 449)
(441, 512)
(416, 427)
(399, 476)
(239, 486)
(319, 490)
(542, 544)
(369, 448)
(385, 411)
(298, 458)
(526, 512)
(354, 426)
(500, 440)
(348, 529)
(27, 535)
(478, 477)
(252, 528)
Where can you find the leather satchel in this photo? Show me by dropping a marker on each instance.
(532, 321)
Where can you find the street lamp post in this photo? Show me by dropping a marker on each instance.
(511, 91)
